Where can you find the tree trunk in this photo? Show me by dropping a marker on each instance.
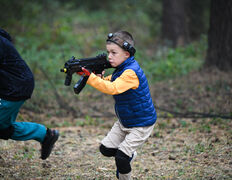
(174, 22)
(219, 52)
(198, 18)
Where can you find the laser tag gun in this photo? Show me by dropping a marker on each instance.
(94, 64)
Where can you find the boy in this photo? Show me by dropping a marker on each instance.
(16, 86)
(133, 103)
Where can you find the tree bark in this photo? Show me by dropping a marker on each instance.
(198, 18)
(219, 51)
(174, 22)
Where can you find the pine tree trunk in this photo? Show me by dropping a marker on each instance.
(174, 22)
(219, 52)
(198, 18)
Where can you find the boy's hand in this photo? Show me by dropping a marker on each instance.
(84, 72)
(101, 75)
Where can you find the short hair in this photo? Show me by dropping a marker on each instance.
(126, 36)
(120, 37)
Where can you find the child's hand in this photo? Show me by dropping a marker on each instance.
(84, 72)
(101, 75)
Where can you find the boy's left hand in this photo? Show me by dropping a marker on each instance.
(84, 72)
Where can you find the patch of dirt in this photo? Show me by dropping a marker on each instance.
(174, 150)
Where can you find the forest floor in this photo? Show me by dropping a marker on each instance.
(182, 146)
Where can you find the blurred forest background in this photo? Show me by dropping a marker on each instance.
(173, 38)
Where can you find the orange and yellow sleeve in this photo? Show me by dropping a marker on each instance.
(127, 80)
(107, 78)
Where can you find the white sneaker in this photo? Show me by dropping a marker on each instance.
(125, 176)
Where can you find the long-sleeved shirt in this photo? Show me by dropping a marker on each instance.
(127, 80)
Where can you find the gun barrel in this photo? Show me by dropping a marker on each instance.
(63, 70)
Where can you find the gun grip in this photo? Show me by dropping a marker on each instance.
(68, 80)
(80, 84)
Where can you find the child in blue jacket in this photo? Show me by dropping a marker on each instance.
(16, 86)
(133, 103)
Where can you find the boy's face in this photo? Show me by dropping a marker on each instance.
(116, 54)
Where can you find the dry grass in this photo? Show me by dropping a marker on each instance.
(174, 151)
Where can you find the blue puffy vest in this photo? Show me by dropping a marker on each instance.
(134, 107)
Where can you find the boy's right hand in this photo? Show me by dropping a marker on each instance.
(101, 75)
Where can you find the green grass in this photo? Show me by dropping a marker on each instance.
(169, 63)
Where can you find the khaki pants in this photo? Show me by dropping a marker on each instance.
(127, 139)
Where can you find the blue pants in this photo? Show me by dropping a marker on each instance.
(22, 130)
